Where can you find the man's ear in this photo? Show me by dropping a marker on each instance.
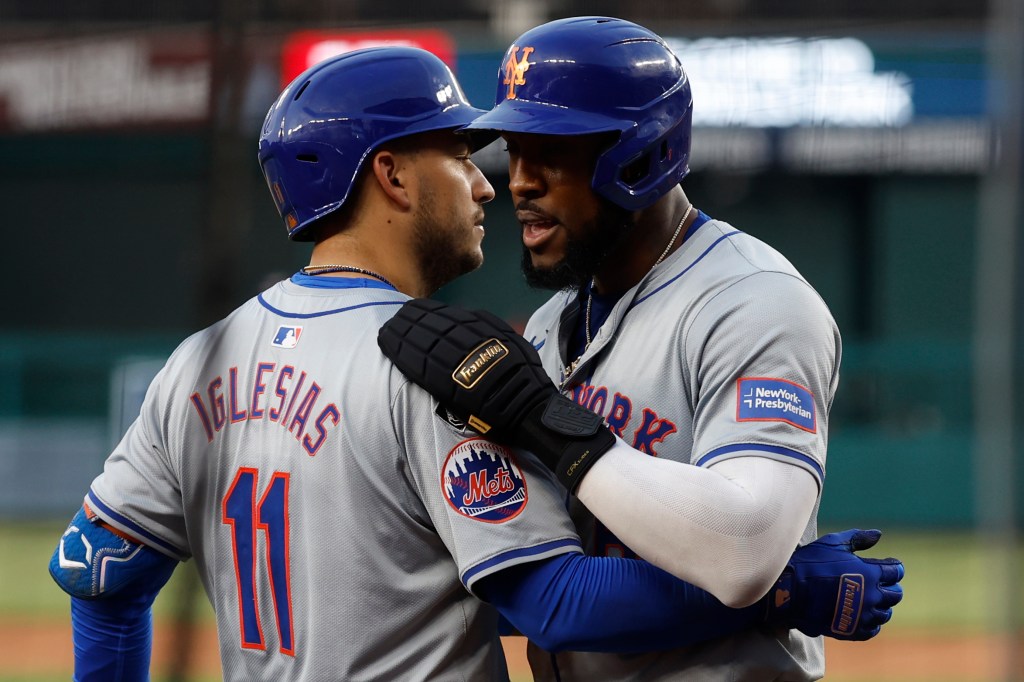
(391, 171)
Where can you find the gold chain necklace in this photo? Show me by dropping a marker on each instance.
(571, 367)
(324, 269)
(672, 241)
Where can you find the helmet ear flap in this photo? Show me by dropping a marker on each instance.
(636, 172)
(278, 191)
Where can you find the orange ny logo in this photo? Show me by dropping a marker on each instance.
(515, 71)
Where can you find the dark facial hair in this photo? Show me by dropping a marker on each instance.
(440, 248)
(584, 254)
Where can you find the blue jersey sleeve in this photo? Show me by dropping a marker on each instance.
(573, 602)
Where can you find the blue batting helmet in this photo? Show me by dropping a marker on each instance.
(335, 114)
(598, 74)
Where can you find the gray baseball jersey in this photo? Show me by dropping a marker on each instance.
(723, 349)
(337, 522)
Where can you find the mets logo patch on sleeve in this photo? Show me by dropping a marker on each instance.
(482, 481)
(759, 399)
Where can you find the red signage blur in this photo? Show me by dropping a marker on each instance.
(304, 49)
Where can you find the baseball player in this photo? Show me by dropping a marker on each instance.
(345, 527)
(709, 361)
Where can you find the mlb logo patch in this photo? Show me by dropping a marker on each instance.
(759, 399)
(482, 482)
(286, 337)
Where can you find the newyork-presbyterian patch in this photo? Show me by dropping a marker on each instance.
(482, 481)
(760, 399)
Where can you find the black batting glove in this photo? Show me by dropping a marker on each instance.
(485, 373)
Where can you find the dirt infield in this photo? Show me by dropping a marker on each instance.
(44, 648)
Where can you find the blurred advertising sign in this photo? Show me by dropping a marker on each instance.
(779, 82)
(104, 82)
(304, 49)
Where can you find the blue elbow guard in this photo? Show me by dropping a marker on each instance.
(91, 562)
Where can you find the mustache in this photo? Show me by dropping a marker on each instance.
(528, 206)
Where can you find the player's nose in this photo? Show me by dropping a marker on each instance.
(482, 189)
(523, 178)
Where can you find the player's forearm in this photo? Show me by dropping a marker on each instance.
(112, 640)
(728, 529)
(577, 603)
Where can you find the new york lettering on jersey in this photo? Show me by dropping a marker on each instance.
(643, 428)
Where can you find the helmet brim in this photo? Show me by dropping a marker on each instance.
(457, 119)
(528, 116)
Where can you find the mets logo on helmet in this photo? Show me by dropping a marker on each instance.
(515, 69)
(482, 481)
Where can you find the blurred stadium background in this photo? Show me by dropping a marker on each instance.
(876, 143)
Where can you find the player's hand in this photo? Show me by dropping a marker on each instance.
(828, 590)
(482, 371)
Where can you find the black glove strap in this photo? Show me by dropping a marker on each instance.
(567, 437)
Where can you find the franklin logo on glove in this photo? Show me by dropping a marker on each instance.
(448, 351)
(479, 362)
(849, 606)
